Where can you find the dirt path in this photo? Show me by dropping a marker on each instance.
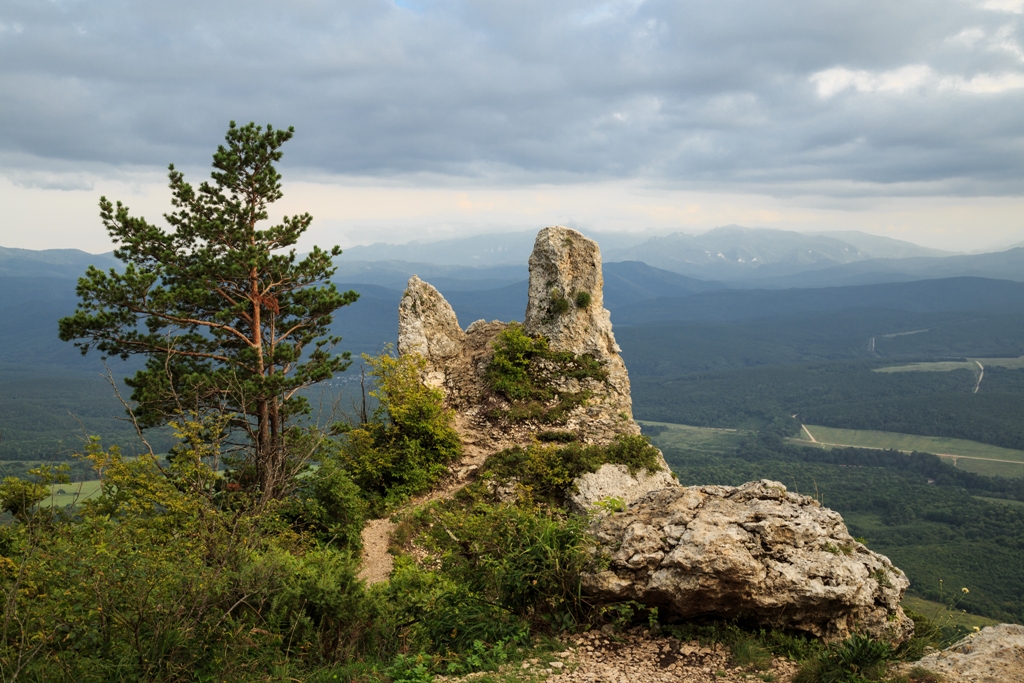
(808, 431)
(377, 562)
(980, 377)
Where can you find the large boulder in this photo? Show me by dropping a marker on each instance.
(754, 551)
(616, 482)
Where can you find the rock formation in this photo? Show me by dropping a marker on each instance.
(427, 325)
(566, 305)
(754, 551)
(994, 655)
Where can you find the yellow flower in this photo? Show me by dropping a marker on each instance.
(964, 591)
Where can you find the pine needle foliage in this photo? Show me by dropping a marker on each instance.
(229, 318)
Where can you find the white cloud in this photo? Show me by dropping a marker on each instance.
(833, 81)
(984, 84)
(1013, 6)
(968, 37)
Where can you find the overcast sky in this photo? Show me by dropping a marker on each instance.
(417, 119)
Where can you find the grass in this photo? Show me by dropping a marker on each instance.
(913, 442)
(1011, 363)
(940, 366)
(989, 469)
(68, 494)
(940, 613)
(706, 439)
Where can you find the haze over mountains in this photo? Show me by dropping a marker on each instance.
(732, 297)
(733, 255)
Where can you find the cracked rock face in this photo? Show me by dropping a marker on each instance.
(427, 325)
(566, 305)
(753, 551)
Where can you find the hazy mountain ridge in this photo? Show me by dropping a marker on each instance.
(721, 253)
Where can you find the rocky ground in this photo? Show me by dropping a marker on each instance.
(640, 657)
(994, 655)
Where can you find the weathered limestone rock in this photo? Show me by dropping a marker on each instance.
(427, 325)
(749, 551)
(993, 655)
(457, 361)
(566, 305)
(615, 481)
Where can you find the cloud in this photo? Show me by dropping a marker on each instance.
(701, 94)
(837, 79)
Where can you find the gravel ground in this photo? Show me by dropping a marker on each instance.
(377, 562)
(597, 657)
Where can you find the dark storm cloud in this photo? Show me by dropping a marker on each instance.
(714, 94)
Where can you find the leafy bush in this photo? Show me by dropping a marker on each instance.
(582, 299)
(526, 372)
(411, 439)
(525, 560)
(545, 472)
(157, 579)
(329, 505)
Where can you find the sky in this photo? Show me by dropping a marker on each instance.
(426, 120)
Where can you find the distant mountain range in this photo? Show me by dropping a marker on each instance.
(737, 253)
(726, 253)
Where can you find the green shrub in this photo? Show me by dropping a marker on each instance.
(582, 299)
(545, 472)
(525, 371)
(407, 446)
(160, 580)
(318, 602)
(525, 560)
(559, 304)
(328, 504)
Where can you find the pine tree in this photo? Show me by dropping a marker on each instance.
(229, 319)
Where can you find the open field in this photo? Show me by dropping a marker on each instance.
(1011, 363)
(696, 438)
(938, 445)
(950, 365)
(942, 615)
(989, 468)
(940, 366)
(76, 492)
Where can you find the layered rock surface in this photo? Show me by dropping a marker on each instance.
(753, 551)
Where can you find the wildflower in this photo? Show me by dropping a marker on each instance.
(964, 591)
